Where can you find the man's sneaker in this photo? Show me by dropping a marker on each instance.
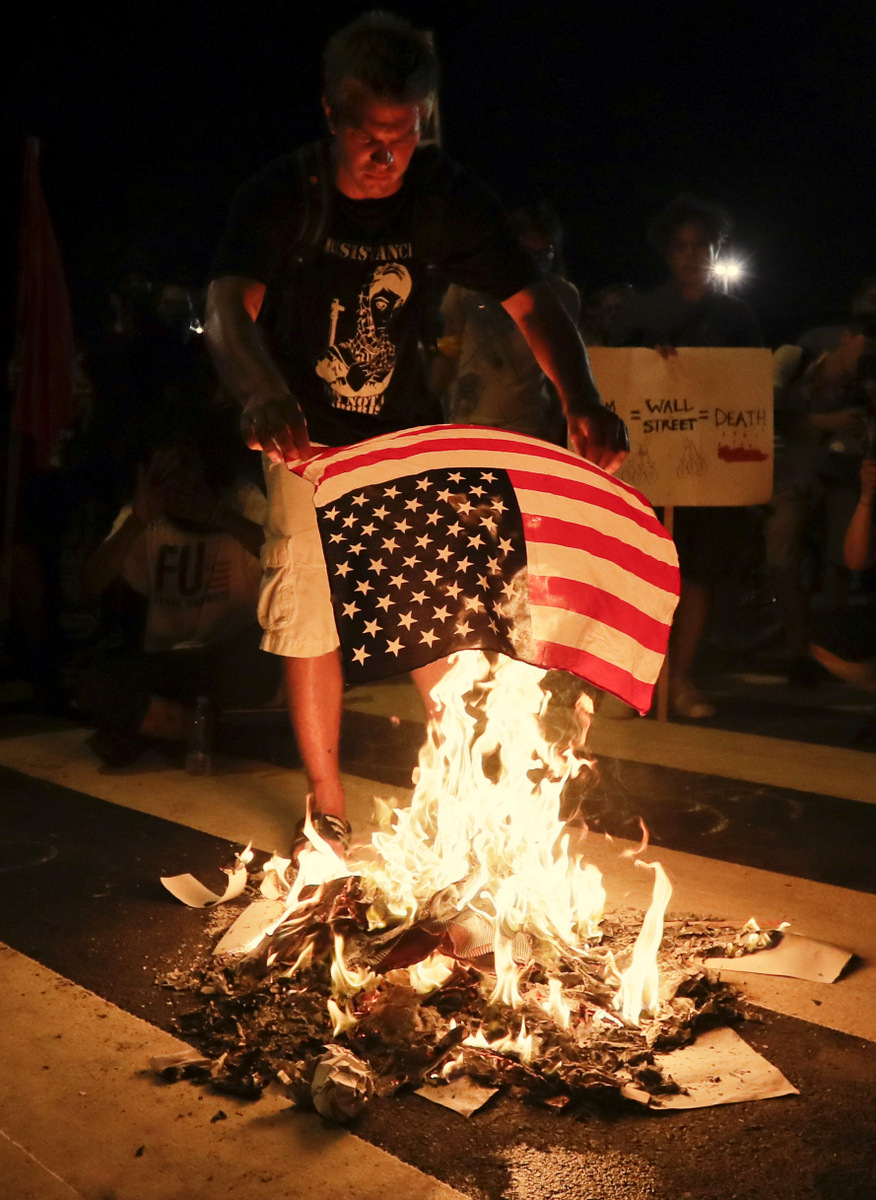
(334, 830)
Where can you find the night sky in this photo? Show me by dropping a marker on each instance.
(151, 115)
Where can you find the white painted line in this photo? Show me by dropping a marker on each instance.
(76, 1096)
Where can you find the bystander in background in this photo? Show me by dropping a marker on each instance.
(845, 638)
(690, 310)
(189, 542)
(486, 373)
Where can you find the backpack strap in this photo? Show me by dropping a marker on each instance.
(314, 165)
(429, 224)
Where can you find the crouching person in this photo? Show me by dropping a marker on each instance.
(189, 543)
(845, 639)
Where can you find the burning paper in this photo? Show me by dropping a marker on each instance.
(719, 1068)
(794, 956)
(180, 1065)
(461, 1095)
(254, 922)
(193, 893)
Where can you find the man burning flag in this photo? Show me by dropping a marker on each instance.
(436, 540)
(447, 538)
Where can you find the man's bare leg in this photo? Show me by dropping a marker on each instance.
(687, 627)
(314, 692)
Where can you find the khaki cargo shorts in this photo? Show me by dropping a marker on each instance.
(295, 609)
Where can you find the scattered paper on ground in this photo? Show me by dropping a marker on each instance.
(176, 1063)
(249, 927)
(193, 893)
(462, 1095)
(795, 956)
(719, 1068)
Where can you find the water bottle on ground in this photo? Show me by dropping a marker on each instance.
(199, 760)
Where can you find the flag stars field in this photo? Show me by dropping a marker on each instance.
(418, 551)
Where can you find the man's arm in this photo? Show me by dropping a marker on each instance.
(272, 419)
(856, 547)
(595, 432)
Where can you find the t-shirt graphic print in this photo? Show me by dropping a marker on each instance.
(358, 368)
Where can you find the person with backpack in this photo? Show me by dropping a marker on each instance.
(332, 260)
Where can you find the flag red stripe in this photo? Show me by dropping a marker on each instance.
(605, 675)
(596, 603)
(557, 532)
(583, 492)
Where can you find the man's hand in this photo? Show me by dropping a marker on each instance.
(277, 427)
(600, 436)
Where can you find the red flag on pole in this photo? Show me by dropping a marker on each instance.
(42, 375)
(42, 403)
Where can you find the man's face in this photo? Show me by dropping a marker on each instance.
(373, 145)
(691, 256)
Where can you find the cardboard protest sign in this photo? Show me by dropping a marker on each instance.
(700, 422)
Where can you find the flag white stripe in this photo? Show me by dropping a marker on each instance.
(484, 447)
(579, 632)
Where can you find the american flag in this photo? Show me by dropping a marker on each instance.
(453, 537)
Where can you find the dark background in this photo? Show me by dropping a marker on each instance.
(152, 114)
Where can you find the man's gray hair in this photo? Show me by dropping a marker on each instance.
(383, 56)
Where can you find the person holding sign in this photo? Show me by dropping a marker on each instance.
(689, 310)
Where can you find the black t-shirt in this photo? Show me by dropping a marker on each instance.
(662, 318)
(344, 325)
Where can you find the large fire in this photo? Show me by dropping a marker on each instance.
(471, 927)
